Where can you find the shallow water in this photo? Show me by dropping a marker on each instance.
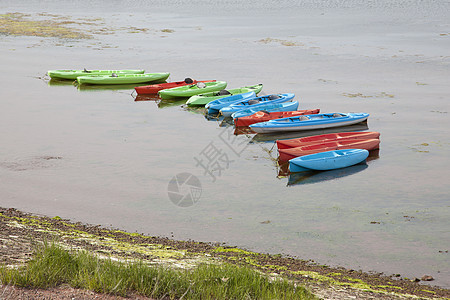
(96, 155)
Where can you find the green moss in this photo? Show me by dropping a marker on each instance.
(234, 250)
(275, 267)
(389, 287)
(18, 24)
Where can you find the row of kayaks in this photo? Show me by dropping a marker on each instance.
(261, 114)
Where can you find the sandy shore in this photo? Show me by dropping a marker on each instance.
(21, 231)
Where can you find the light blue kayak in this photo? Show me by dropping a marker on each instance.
(328, 160)
(256, 103)
(269, 107)
(215, 105)
(308, 122)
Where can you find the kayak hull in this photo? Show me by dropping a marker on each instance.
(73, 74)
(227, 111)
(290, 153)
(264, 116)
(268, 108)
(122, 78)
(205, 98)
(303, 141)
(230, 99)
(329, 160)
(309, 122)
(191, 90)
(155, 88)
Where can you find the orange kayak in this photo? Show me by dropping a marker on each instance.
(283, 144)
(155, 88)
(289, 153)
(263, 116)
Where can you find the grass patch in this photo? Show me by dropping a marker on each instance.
(52, 266)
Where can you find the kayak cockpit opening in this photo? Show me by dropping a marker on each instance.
(188, 80)
(253, 101)
(223, 92)
(273, 97)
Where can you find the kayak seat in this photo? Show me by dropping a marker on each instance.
(253, 101)
(336, 115)
(303, 118)
(273, 97)
(114, 75)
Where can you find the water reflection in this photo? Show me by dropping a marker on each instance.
(161, 103)
(243, 130)
(309, 177)
(103, 87)
(194, 109)
(147, 98)
(57, 82)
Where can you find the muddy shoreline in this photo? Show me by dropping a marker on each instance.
(21, 231)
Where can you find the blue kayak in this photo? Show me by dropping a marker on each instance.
(256, 103)
(268, 107)
(308, 122)
(215, 105)
(328, 160)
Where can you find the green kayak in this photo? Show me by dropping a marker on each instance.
(73, 74)
(122, 78)
(193, 89)
(205, 98)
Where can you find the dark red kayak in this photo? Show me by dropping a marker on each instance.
(303, 141)
(289, 153)
(263, 116)
(155, 88)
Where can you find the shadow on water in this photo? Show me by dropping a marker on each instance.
(310, 177)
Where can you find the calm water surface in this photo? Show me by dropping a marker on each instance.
(98, 156)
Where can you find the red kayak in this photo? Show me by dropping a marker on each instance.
(263, 116)
(289, 153)
(155, 88)
(283, 144)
